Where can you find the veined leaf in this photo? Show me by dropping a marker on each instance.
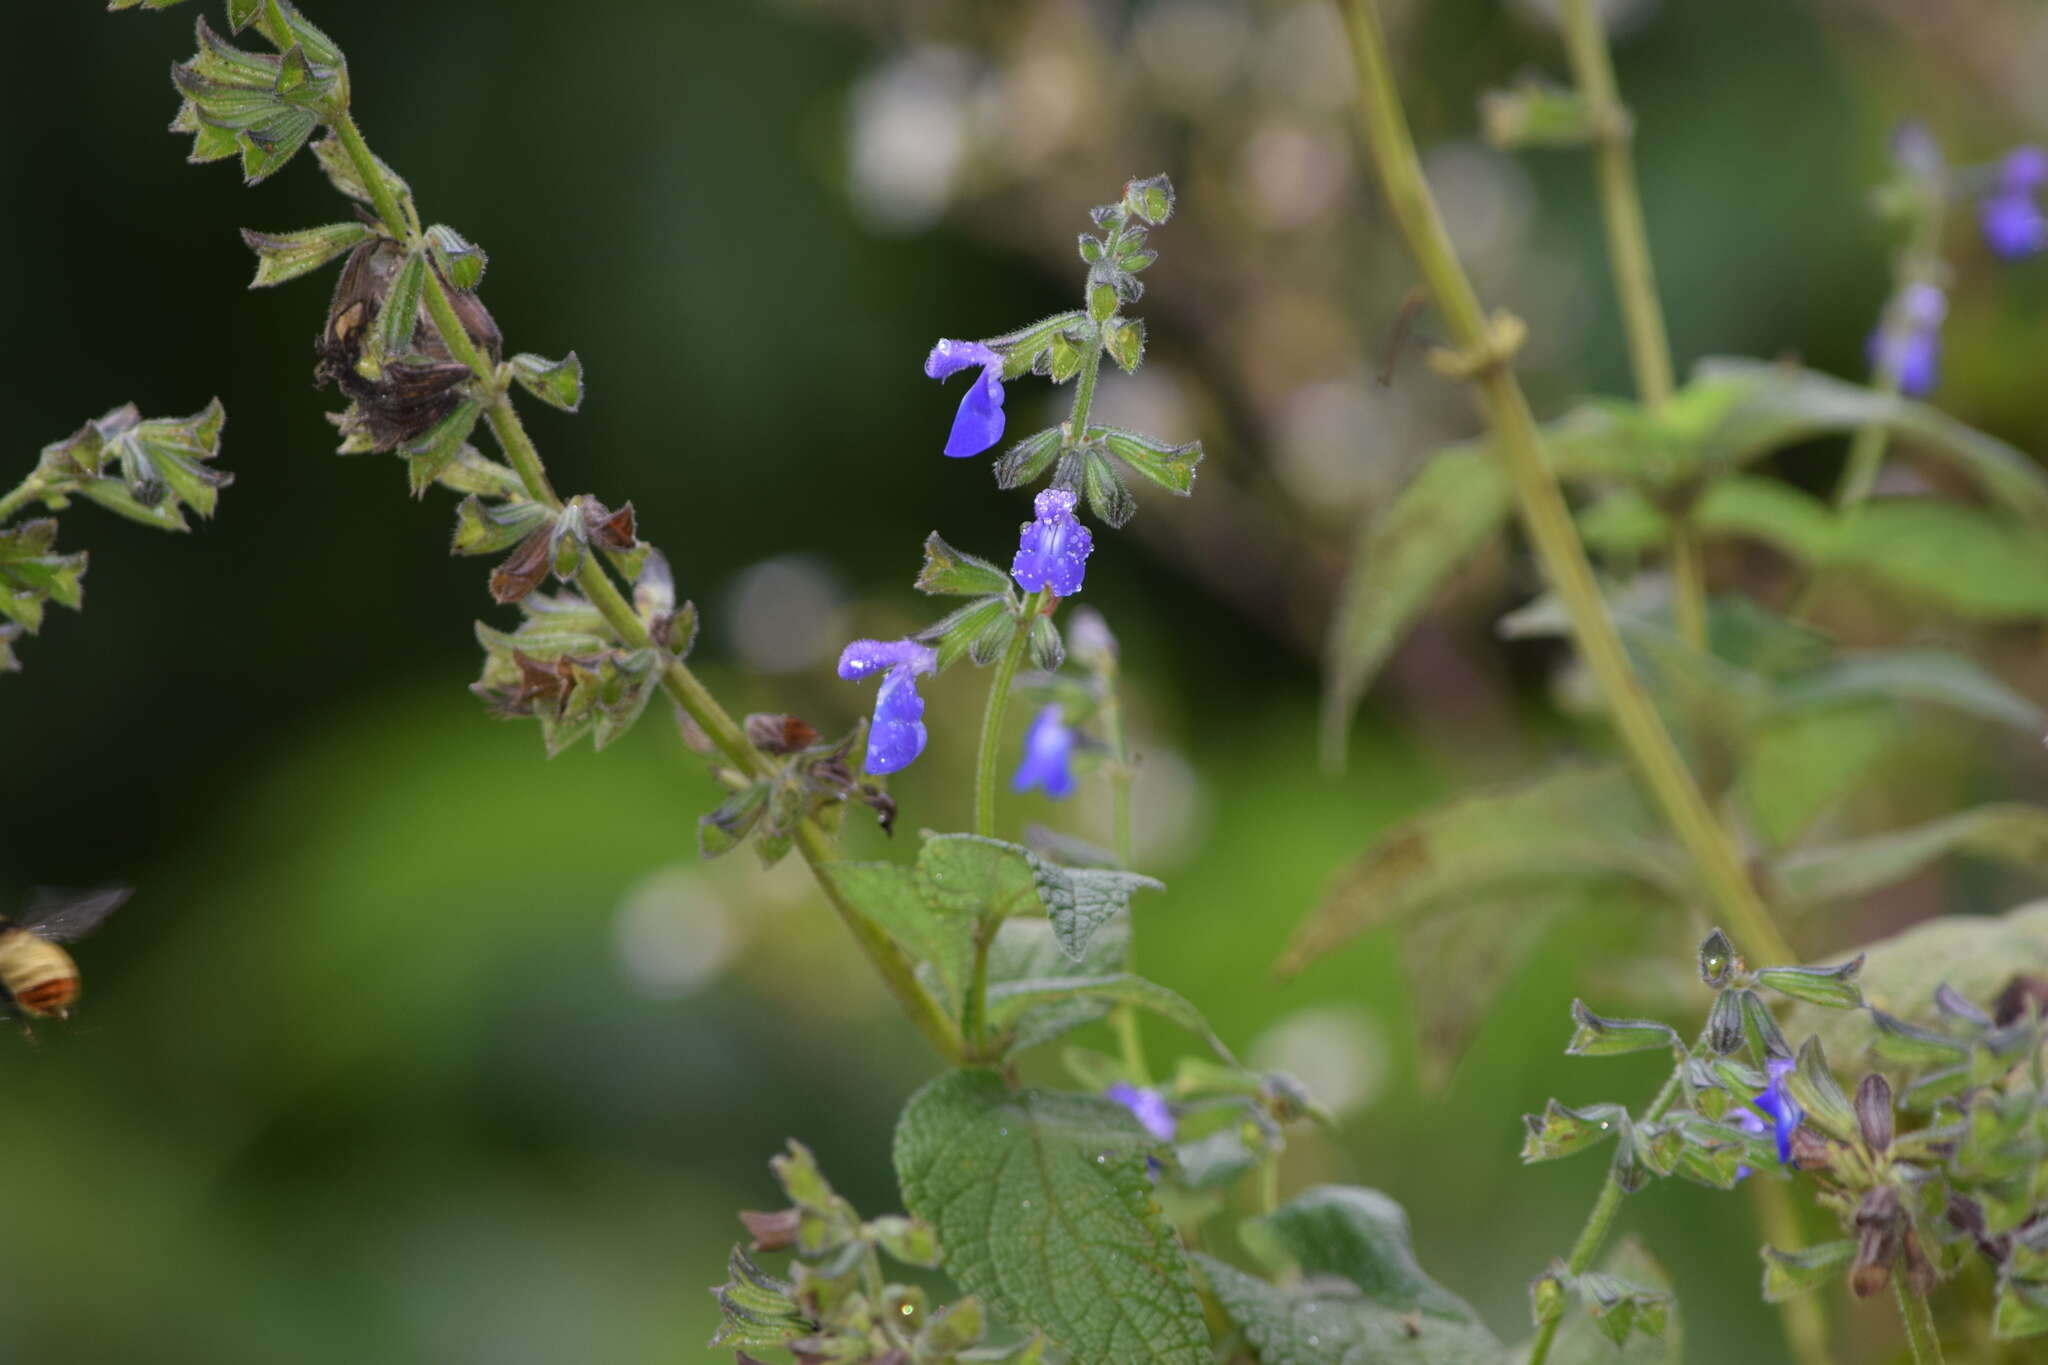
(1580, 825)
(1012, 1000)
(2011, 833)
(1045, 1210)
(1459, 499)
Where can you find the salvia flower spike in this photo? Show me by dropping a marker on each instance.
(1908, 342)
(1048, 756)
(2010, 215)
(897, 736)
(979, 423)
(1052, 553)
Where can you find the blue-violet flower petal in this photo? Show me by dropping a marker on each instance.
(1053, 551)
(1048, 756)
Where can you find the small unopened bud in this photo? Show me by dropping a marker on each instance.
(1090, 642)
(1874, 1113)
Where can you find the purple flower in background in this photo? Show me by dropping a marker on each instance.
(1053, 551)
(1048, 756)
(2013, 223)
(979, 423)
(1908, 341)
(1148, 1106)
(1784, 1111)
(897, 735)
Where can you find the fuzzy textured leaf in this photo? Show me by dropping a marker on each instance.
(1044, 1206)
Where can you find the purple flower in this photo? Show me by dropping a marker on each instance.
(1749, 1121)
(1053, 551)
(897, 735)
(1148, 1106)
(979, 423)
(1048, 756)
(2013, 223)
(1908, 342)
(1783, 1110)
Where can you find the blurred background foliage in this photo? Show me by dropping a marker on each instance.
(415, 1046)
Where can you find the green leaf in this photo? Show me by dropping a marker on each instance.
(1578, 826)
(1797, 1271)
(1108, 497)
(1966, 560)
(460, 261)
(2011, 833)
(1401, 557)
(1812, 1084)
(1126, 343)
(483, 528)
(1080, 900)
(979, 631)
(1582, 1339)
(288, 255)
(954, 573)
(1170, 466)
(1012, 999)
(1362, 1236)
(978, 878)
(399, 317)
(1044, 1207)
(895, 897)
(2022, 1310)
(1829, 986)
(1783, 405)
(1322, 1322)
(1797, 765)
(1561, 1131)
(1923, 675)
(1026, 950)
(1599, 1037)
(1023, 462)
(558, 383)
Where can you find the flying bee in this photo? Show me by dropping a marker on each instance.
(37, 978)
(410, 393)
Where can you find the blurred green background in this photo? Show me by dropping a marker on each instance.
(414, 1045)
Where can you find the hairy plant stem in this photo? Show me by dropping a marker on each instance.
(988, 755)
(1598, 1222)
(1919, 1320)
(1544, 512)
(677, 678)
(1123, 1019)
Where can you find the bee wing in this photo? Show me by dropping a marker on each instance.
(61, 916)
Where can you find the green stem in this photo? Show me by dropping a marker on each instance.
(1598, 1222)
(1921, 259)
(1688, 585)
(1123, 1019)
(1544, 512)
(1635, 280)
(677, 679)
(987, 759)
(1628, 245)
(1919, 1320)
(27, 492)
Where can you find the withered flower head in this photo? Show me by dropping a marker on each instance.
(414, 391)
